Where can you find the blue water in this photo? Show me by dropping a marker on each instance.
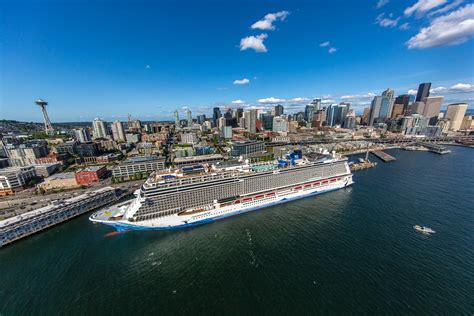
(352, 251)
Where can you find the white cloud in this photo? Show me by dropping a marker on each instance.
(405, 26)
(386, 21)
(358, 97)
(324, 44)
(254, 42)
(299, 100)
(412, 92)
(241, 81)
(446, 8)
(332, 50)
(271, 100)
(451, 29)
(328, 101)
(382, 3)
(267, 22)
(423, 6)
(238, 102)
(457, 88)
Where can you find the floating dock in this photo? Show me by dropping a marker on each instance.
(383, 156)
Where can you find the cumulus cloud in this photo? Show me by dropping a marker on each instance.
(332, 50)
(358, 97)
(446, 8)
(299, 100)
(241, 81)
(382, 3)
(254, 42)
(267, 22)
(452, 29)
(324, 44)
(412, 92)
(384, 21)
(271, 100)
(238, 102)
(457, 88)
(405, 26)
(423, 6)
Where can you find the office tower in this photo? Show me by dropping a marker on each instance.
(366, 116)
(267, 119)
(390, 95)
(176, 119)
(300, 116)
(309, 112)
(252, 122)
(280, 124)
(379, 110)
(279, 109)
(48, 127)
(82, 135)
(229, 119)
(239, 113)
(242, 122)
(118, 132)
(227, 132)
(455, 113)
(201, 118)
(350, 119)
(220, 123)
(216, 114)
(397, 110)
(417, 108)
(189, 118)
(317, 104)
(423, 91)
(432, 108)
(337, 113)
(99, 128)
(403, 99)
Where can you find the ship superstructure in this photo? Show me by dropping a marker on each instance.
(198, 194)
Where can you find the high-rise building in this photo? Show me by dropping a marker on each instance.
(216, 114)
(280, 124)
(82, 135)
(189, 117)
(379, 110)
(201, 118)
(317, 104)
(336, 114)
(455, 113)
(366, 116)
(432, 108)
(423, 91)
(118, 132)
(99, 128)
(227, 132)
(350, 119)
(239, 113)
(403, 99)
(176, 119)
(397, 110)
(309, 112)
(252, 123)
(267, 119)
(220, 123)
(279, 109)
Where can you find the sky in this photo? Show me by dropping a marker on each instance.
(149, 58)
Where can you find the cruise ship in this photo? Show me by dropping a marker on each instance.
(193, 195)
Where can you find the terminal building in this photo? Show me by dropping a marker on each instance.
(196, 160)
(138, 165)
(20, 226)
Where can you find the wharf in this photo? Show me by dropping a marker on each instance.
(362, 165)
(434, 148)
(383, 156)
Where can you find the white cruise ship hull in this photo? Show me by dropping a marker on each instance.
(210, 213)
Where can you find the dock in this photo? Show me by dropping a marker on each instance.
(434, 148)
(383, 156)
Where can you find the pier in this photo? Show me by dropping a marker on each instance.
(20, 226)
(383, 156)
(434, 148)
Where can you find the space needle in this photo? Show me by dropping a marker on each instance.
(48, 127)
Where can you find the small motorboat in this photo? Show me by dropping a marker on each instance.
(424, 229)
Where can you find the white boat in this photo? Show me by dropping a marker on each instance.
(424, 229)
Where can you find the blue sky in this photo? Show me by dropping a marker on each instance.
(147, 58)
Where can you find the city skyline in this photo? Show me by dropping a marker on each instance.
(256, 56)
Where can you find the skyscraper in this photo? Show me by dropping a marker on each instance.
(379, 110)
(118, 132)
(201, 118)
(317, 104)
(432, 108)
(423, 91)
(279, 109)
(267, 119)
(189, 117)
(99, 128)
(280, 124)
(176, 119)
(336, 114)
(309, 112)
(455, 113)
(216, 114)
(390, 95)
(252, 123)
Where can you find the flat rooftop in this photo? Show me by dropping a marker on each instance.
(198, 158)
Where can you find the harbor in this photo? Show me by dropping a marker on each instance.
(383, 156)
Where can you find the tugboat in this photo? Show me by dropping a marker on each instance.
(424, 229)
